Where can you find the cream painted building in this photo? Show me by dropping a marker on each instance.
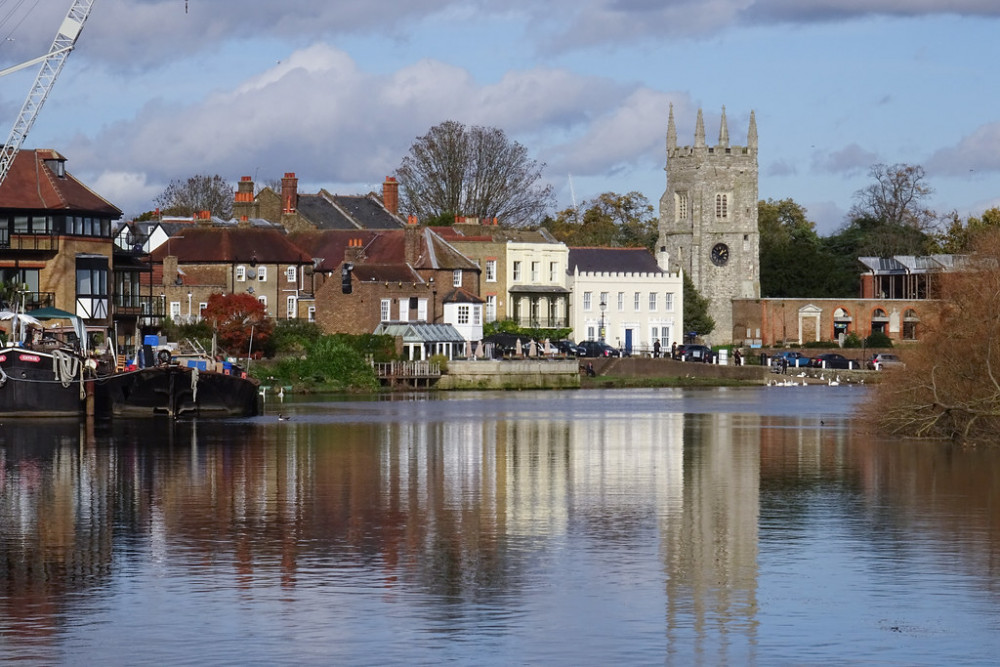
(627, 298)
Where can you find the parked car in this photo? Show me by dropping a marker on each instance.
(884, 360)
(794, 359)
(565, 347)
(701, 353)
(832, 360)
(596, 348)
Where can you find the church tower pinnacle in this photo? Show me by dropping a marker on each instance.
(671, 131)
(724, 130)
(699, 132)
(752, 133)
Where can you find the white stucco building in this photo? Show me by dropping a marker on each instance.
(626, 297)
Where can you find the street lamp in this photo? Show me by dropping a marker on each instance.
(604, 306)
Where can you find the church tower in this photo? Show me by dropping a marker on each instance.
(708, 219)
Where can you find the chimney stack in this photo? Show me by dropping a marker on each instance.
(355, 251)
(390, 195)
(243, 206)
(289, 193)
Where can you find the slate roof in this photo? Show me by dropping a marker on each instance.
(327, 211)
(31, 184)
(494, 233)
(612, 260)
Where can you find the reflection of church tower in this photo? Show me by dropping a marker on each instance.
(708, 218)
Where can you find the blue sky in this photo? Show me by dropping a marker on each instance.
(338, 91)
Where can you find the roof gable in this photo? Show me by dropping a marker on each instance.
(34, 184)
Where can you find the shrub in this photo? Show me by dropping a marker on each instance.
(330, 364)
(442, 360)
(878, 339)
(852, 341)
(820, 344)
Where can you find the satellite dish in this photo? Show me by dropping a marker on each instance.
(251, 272)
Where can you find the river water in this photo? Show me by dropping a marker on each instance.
(689, 527)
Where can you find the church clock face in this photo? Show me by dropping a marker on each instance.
(720, 254)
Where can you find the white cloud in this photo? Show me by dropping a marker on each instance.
(980, 151)
(850, 160)
(128, 191)
(318, 114)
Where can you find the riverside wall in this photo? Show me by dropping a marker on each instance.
(522, 374)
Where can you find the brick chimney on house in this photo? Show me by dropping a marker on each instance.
(390, 195)
(412, 244)
(170, 273)
(289, 193)
(355, 251)
(244, 206)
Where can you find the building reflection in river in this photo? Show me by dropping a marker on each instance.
(455, 507)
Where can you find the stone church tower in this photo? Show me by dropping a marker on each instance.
(708, 219)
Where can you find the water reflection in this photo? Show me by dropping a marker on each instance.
(639, 526)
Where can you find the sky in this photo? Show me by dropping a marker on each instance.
(337, 91)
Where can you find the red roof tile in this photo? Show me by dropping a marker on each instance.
(33, 184)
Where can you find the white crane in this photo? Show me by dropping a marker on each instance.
(52, 63)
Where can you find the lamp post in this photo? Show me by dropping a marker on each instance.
(604, 306)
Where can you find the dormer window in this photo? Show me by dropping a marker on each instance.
(58, 167)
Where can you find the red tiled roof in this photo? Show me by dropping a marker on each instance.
(198, 244)
(382, 247)
(33, 185)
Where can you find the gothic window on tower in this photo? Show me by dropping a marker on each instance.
(721, 206)
(681, 200)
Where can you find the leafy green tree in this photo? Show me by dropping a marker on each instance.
(959, 237)
(696, 317)
(475, 172)
(610, 220)
(197, 193)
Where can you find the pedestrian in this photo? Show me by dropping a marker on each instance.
(673, 350)
(737, 357)
(656, 349)
(784, 365)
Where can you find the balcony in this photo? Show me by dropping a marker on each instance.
(135, 305)
(35, 242)
(542, 322)
(36, 300)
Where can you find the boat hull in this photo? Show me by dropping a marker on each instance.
(176, 391)
(37, 384)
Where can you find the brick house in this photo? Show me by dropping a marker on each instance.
(899, 296)
(209, 259)
(364, 278)
(299, 212)
(56, 239)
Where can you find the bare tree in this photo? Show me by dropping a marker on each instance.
(472, 171)
(896, 197)
(950, 387)
(196, 194)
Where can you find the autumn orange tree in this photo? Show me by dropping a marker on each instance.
(950, 387)
(237, 317)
